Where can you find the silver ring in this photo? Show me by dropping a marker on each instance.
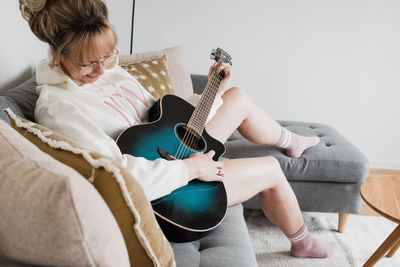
(219, 171)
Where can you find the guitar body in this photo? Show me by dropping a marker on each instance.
(191, 211)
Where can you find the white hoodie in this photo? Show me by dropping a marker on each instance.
(93, 115)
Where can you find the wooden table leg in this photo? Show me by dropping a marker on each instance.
(392, 240)
(342, 221)
(393, 250)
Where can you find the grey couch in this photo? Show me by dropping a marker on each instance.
(326, 178)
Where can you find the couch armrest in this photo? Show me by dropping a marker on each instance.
(199, 82)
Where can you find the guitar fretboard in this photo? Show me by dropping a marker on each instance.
(199, 117)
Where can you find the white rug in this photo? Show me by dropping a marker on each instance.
(362, 236)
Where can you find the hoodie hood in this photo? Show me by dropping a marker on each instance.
(46, 74)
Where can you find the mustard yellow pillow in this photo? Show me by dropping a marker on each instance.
(146, 244)
(153, 75)
(178, 73)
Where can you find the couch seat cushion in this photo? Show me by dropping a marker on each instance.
(334, 159)
(227, 245)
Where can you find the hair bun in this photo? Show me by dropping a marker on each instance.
(35, 5)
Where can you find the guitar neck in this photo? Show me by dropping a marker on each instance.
(199, 117)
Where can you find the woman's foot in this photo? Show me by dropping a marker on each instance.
(295, 144)
(304, 245)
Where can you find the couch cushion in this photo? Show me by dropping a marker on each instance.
(199, 83)
(50, 214)
(25, 96)
(144, 239)
(7, 102)
(153, 75)
(334, 159)
(227, 245)
(180, 77)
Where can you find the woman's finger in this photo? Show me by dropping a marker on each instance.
(210, 153)
(220, 172)
(213, 66)
(226, 69)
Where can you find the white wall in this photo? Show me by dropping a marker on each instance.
(20, 50)
(120, 13)
(335, 62)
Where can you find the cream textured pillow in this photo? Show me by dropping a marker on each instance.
(144, 240)
(179, 75)
(50, 215)
(153, 75)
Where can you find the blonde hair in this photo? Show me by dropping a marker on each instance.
(76, 28)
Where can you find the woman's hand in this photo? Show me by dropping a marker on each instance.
(221, 67)
(201, 166)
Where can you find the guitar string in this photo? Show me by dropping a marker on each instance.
(207, 100)
(188, 141)
(181, 151)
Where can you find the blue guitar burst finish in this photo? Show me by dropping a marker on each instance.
(191, 211)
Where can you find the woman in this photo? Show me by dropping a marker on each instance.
(87, 97)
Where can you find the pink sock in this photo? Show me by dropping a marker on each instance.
(304, 245)
(295, 144)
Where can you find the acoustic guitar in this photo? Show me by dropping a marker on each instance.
(177, 131)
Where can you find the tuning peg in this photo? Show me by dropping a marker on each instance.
(213, 53)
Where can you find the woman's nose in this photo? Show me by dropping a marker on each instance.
(99, 70)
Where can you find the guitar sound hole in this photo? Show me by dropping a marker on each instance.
(190, 138)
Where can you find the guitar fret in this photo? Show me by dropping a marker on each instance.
(201, 112)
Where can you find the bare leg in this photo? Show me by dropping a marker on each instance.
(240, 112)
(244, 178)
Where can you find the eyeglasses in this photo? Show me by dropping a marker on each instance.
(105, 62)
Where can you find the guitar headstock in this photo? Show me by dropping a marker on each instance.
(220, 55)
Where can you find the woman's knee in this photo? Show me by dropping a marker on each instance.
(272, 163)
(235, 93)
(274, 172)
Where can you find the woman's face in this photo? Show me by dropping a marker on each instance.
(90, 71)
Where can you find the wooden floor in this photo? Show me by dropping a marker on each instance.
(375, 173)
